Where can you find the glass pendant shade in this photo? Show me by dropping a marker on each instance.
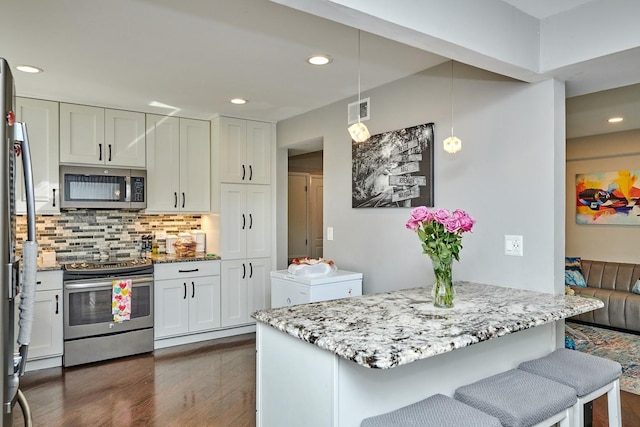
(359, 132)
(452, 144)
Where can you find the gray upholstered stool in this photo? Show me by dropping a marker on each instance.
(520, 399)
(435, 411)
(590, 376)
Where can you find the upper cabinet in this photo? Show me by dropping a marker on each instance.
(42, 120)
(95, 136)
(178, 165)
(245, 150)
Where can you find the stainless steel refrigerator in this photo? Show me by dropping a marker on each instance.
(18, 274)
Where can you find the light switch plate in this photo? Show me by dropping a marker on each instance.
(329, 233)
(513, 245)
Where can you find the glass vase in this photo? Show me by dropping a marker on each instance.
(443, 292)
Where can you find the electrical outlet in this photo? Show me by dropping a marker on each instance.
(513, 245)
(161, 235)
(329, 233)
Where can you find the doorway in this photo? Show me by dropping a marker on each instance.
(305, 205)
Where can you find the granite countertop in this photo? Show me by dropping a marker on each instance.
(395, 328)
(199, 256)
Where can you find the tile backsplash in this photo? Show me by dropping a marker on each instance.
(81, 234)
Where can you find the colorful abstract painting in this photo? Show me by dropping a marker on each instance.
(394, 169)
(608, 198)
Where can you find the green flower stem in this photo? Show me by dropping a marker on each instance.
(443, 292)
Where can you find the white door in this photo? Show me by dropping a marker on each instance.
(258, 221)
(233, 221)
(316, 224)
(163, 163)
(233, 150)
(42, 121)
(82, 134)
(258, 153)
(204, 303)
(46, 335)
(259, 296)
(125, 139)
(171, 308)
(195, 171)
(298, 216)
(234, 292)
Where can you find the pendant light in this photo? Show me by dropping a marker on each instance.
(358, 131)
(452, 144)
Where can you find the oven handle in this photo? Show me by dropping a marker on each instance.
(108, 284)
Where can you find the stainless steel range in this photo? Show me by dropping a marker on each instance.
(90, 332)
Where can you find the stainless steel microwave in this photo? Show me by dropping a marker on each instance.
(95, 187)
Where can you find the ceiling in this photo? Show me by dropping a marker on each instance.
(196, 55)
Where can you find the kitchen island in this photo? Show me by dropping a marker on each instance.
(334, 363)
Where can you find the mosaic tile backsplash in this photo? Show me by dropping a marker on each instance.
(81, 234)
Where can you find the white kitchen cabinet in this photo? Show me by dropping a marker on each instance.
(245, 289)
(46, 333)
(245, 150)
(287, 289)
(187, 298)
(95, 136)
(178, 165)
(245, 221)
(42, 119)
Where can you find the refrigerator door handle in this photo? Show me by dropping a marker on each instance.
(29, 252)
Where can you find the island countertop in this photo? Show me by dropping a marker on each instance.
(395, 328)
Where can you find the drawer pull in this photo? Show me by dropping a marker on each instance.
(244, 270)
(250, 270)
(185, 290)
(57, 305)
(250, 173)
(54, 197)
(189, 271)
(193, 289)
(243, 172)
(100, 149)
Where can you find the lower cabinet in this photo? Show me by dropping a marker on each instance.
(187, 298)
(245, 289)
(46, 332)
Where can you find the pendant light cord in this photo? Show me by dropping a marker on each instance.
(451, 96)
(359, 75)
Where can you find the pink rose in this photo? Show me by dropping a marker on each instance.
(413, 224)
(441, 215)
(451, 224)
(466, 222)
(459, 213)
(421, 214)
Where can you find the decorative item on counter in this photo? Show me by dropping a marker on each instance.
(199, 237)
(185, 247)
(310, 267)
(171, 240)
(440, 233)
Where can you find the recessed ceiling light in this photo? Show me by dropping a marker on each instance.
(319, 59)
(29, 69)
(615, 120)
(238, 101)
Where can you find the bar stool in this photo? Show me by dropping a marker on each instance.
(435, 411)
(520, 399)
(590, 376)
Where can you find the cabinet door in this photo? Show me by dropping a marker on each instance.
(204, 303)
(258, 215)
(171, 308)
(46, 333)
(234, 221)
(42, 119)
(234, 293)
(163, 163)
(81, 134)
(195, 159)
(125, 139)
(259, 288)
(258, 153)
(233, 150)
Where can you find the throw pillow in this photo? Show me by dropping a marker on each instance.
(575, 278)
(636, 287)
(573, 264)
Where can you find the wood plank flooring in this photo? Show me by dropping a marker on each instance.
(204, 384)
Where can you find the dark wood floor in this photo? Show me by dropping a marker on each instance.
(205, 384)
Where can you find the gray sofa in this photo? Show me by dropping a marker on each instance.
(611, 282)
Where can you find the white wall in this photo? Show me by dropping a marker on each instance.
(509, 176)
(601, 153)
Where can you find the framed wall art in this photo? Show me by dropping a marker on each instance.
(394, 169)
(608, 198)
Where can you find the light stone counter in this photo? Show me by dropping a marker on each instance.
(306, 353)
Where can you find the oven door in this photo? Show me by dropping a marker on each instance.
(88, 307)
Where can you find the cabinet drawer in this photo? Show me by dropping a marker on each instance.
(179, 270)
(49, 280)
